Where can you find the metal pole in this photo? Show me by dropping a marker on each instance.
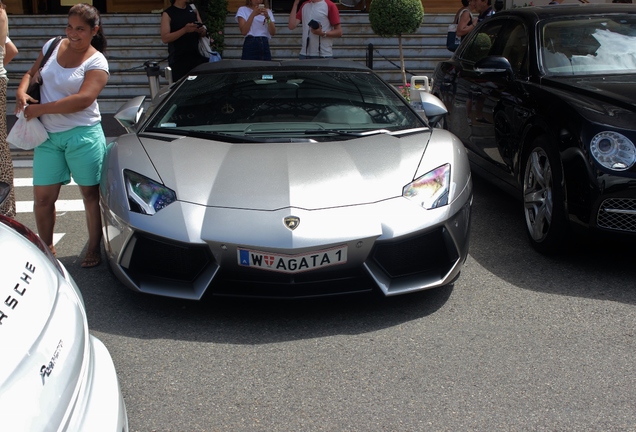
(370, 56)
(153, 71)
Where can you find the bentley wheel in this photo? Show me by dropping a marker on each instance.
(543, 198)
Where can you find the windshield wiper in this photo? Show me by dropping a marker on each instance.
(219, 136)
(346, 133)
(365, 133)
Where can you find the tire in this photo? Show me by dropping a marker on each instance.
(544, 198)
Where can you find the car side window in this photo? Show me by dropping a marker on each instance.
(482, 42)
(516, 48)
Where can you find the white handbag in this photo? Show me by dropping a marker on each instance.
(204, 47)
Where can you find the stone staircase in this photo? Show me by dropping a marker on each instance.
(422, 50)
(134, 39)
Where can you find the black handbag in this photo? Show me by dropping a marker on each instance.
(36, 80)
(452, 40)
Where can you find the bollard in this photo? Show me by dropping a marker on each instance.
(167, 73)
(153, 72)
(370, 56)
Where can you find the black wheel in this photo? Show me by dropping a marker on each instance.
(544, 198)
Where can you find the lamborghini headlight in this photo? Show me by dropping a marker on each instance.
(430, 190)
(613, 150)
(146, 196)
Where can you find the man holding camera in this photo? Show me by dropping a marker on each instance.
(320, 21)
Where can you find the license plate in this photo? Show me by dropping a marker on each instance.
(292, 263)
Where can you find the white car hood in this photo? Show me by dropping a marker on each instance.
(266, 176)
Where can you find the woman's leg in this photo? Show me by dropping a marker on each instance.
(90, 195)
(44, 209)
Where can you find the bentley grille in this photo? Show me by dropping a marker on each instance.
(618, 214)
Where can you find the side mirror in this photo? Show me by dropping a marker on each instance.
(130, 112)
(432, 105)
(493, 65)
(434, 109)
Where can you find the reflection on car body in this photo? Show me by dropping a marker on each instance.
(543, 98)
(292, 179)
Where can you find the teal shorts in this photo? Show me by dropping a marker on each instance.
(78, 151)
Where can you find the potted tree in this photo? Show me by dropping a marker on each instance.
(390, 18)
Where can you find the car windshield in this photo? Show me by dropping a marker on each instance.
(589, 45)
(293, 104)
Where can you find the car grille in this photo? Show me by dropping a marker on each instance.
(255, 283)
(618, 214)
(167, 260)
(432, 253)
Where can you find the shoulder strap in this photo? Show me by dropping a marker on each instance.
(460, 13)
(49, 51)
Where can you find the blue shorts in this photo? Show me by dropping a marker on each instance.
(79, 151)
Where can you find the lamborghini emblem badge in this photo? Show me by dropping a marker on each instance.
(291, 222)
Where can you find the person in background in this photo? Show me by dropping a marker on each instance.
(72, 79)
(181, 28)
(7, 52)
(484, 9)
(320, 21)
(257, 24)
(464, 19)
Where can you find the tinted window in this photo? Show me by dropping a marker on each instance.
(482, 42)
(515, 47)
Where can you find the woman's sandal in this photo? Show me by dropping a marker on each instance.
(53, 251)
(92, 259)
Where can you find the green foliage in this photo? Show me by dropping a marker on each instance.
(395, 17)
(213, 14)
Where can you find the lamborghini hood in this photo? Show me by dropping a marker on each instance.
(266, 176)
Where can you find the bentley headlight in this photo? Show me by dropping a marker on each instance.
(613, 150)
(146, 196)
(430, 190)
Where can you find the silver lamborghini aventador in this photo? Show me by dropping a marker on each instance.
(284, 179)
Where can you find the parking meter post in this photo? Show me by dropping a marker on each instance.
(168, 74)
(153, 71)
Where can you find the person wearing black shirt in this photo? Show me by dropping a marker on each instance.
(181, 28)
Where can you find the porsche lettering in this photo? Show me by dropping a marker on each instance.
(45, 370)
(19, 289)
(292, 263)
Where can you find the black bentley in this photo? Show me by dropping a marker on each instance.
(544, 100)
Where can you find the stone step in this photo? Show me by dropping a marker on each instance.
(108, 20)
